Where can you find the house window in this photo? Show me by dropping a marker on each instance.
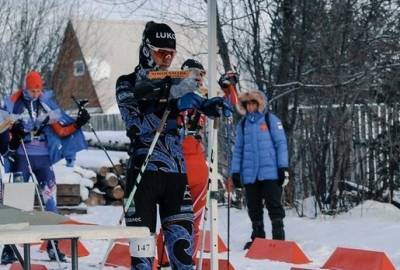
(79, 68)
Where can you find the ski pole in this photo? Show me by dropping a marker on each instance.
(36, 183)
(229, 123)
(146, 161)
(211, 160)
(81, 104)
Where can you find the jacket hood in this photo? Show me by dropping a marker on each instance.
(251, 95)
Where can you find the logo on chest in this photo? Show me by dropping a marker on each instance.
(263, 127)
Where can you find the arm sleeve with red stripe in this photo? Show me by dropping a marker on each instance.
(63, 131)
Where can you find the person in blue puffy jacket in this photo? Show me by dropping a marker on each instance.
(260, 163)
(48, 135)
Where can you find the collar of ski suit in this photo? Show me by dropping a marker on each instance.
(254, 116)
(28, 97)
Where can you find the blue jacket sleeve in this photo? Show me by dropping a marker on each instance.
(279, 140)
(237, 154)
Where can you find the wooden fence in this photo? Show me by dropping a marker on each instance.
(351, 149)
(106, 122)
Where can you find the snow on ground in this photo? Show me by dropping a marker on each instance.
(372, 226)
(97, 158)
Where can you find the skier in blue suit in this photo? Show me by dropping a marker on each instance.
(142, 104)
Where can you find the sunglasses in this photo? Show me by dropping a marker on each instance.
(162, 52)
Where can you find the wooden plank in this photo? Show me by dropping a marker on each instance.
(370, 151)
(68, 190)
(34, 234)
(68, 200)
(13, 215)
(66, 210)
(363, 160)
(14, 226)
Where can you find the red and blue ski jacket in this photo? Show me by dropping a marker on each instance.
(61, 136)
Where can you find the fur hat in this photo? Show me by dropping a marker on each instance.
(256, 95)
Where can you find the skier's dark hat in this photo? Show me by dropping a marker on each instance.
(191, 63)
(159, 36)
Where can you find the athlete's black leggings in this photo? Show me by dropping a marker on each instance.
(170, 191)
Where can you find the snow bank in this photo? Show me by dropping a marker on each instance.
(374, 210)
(97, 158)
(74, 175)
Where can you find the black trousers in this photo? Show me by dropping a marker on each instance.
(270, 193)
(171, 193)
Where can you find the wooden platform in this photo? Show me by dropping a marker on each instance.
(36, 233)
(33, 227)
(9, 215)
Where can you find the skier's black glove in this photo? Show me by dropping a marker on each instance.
(228, 78)
(283, 176)
(216, 107)
(236, 180)
(17, 133)
(83, 118)
(153, 89)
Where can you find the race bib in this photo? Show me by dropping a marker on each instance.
(142, 247)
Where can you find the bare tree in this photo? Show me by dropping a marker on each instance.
(322, 64)
(31, 35)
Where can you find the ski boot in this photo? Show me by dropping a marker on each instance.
(258, 232)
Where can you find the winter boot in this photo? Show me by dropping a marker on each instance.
(52, 253)
(248, 245)
(278, 233)
(258, 232)
(7, 256)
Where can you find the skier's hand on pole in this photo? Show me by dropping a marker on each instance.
(216, 107)
(228, 78)
(17, 134)
(83, 118)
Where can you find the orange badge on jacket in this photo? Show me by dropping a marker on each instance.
(263, 127)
